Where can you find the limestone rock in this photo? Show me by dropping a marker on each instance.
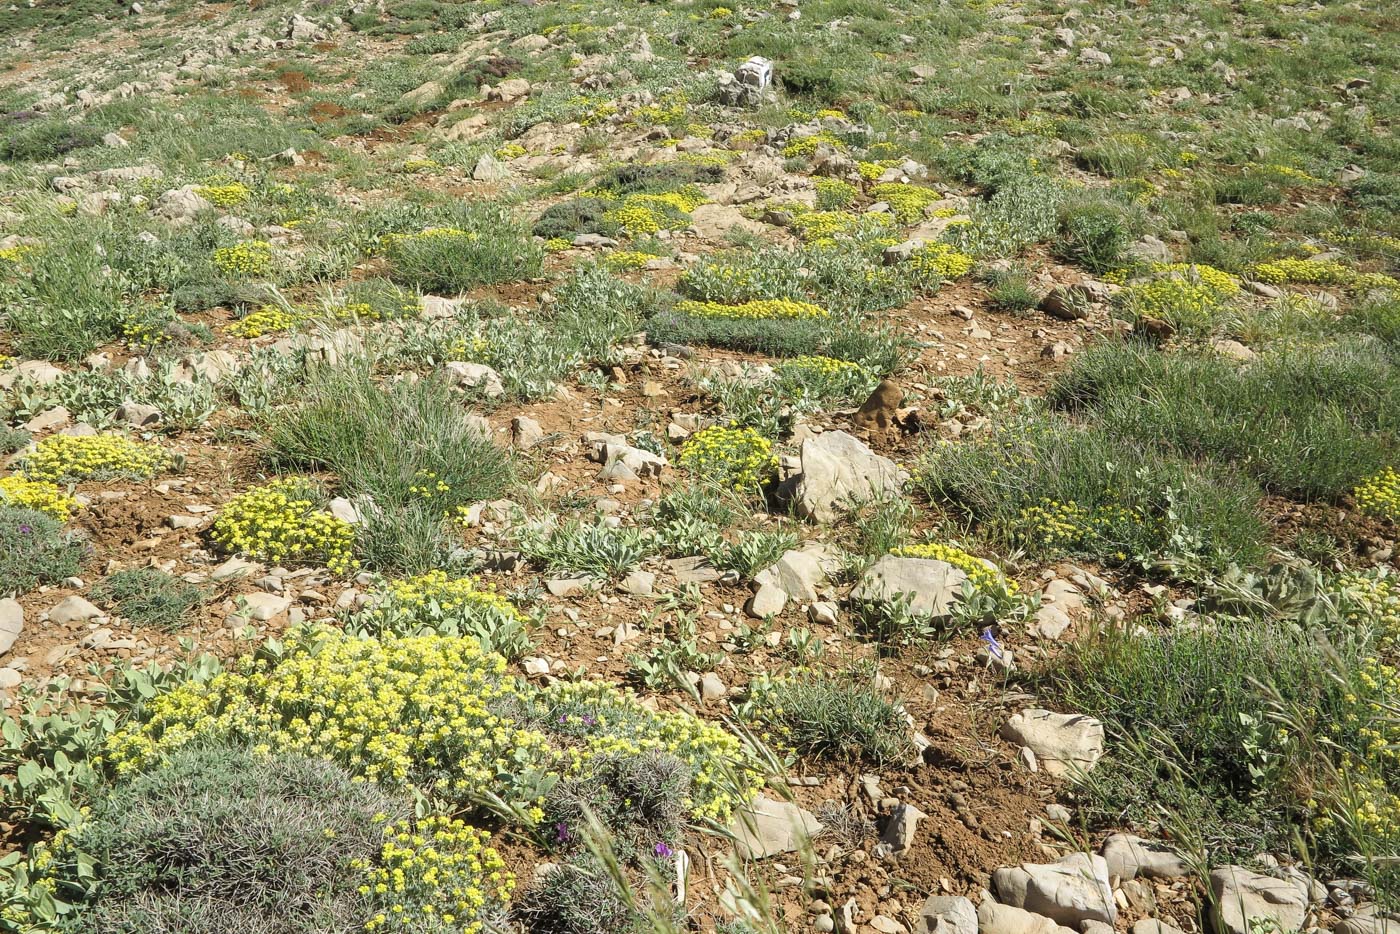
(769, 828)
(11, 623)
(1129, 857)
(477, 376)
(931, 586)
(1069, 891)
(1242, 896)
(1064, 743)
(73, 609)
(994, 918)
(798, 574)
(837, 467)
(947, 914)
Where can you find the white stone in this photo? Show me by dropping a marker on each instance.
(931, 586)
(1065, 744)
(770, 828)
(1070, 891)
(73, 609)
(837, 467)
(11, 623)
(1242, 897)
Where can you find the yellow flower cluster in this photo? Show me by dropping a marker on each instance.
(282, 522)
(416, 166)
(21, 493)
(510, 151)
(835, 193)
(765, 308)
(805, 146)
(983, 574)
(448, 593)
(269, 319)
(246, 258)
(908, 202)
(736, 457)
(1325, 272)
(820, 366)
(1380, 495)
(870, 170)
(610, 722)
(94, 457)
(620, 260)
(144, 326)
(225, 196)
(1067, 526)
(1371, 600)
(826, 226)
(437, 870)
(1185, 294)
(557, 244)
(436, 713)
(13, 254)
(393, 241)
(643, 214)
(940, 260)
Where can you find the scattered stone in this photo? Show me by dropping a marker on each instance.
(9, 678)
(490, 169)
(49, 420)
(639, 583)
(994, 918)
(947, 914)
(137, 414)
(181, 205)
(11, 623)
(477, 376)
(711, 687)
(1129, 857)
(263, 606)
(798, 574)
(1243, 899)
(1060, 303)
(770, 828)
(525, 432)
(234, 568)
(1070, 891)
(567, 586)
(903, 825)
(835, 468)
(767, 601)
(823, 612)
(73, 609)
(931, 586)
(1064, 743)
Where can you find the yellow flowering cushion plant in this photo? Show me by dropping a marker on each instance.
(94, 457)
(740, 458)
(439, 714)
(283, 522)
(21, 493)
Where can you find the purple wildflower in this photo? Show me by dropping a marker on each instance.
(662, 851)
(992, 642)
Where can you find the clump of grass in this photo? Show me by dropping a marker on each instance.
(1040, 482)
(148, 597)
(219, 838)
(1190, 714)
(477, 247)
(400, 443)
(1309, 422)
(833, 715)
(1093, 234)
(35, 550)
